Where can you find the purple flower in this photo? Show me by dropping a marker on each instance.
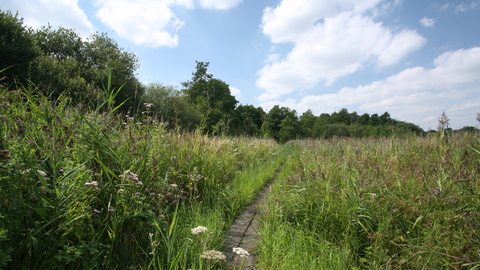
(30, 141)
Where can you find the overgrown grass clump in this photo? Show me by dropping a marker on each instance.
(411, 203)
(92, 189)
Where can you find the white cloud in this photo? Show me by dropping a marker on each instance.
(292, 18)
(219, 4)
(146, 22)
(150, 22)
(274, 57)
(427, 22)
(340, 45)
(464, 7)
(38, 13)
(416, 94)
(235, 92)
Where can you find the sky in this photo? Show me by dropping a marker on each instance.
(413, 59)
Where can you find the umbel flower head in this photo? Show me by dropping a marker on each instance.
(213, 255)
(131, 176)
(199, 229)
(240, 251)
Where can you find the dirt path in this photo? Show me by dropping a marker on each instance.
(243, 232)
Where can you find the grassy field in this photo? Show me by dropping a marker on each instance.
(90, 189)
(411, 203)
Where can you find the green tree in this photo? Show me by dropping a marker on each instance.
(249, 120)
(104, 56)
(82, 68)
(288, 128)
(321, 123)
(273, 119)
(364, 119)
(374, 120)
(385, 118)
(17, 48)
(61, 67)
(307, 123)
(341, 117)
(167, 104)
(212, 97)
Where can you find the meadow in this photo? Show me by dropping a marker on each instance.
(96, 190)
(392, 203)
(93, 189)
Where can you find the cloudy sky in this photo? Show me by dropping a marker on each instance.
(414, 59)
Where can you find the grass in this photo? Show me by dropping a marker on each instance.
(92, 189)
(95, 190)
(410, 203)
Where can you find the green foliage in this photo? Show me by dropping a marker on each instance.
(212, 98)
(84, 189)
(409, 203)
(275, 126)
(170, 105)
(18, 49)
(248, 120)
(58, 62)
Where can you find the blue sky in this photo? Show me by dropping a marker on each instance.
(414, 59)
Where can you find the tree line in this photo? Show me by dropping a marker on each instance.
(58, 62)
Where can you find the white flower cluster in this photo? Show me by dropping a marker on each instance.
(92, 183)
(240, 251)
(213, 255)
(199, 229)
(130, 175)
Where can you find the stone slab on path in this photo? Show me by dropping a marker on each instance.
(244, 230)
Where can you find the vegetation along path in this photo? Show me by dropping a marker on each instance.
(243, 232)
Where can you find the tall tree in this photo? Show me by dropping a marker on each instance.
(249, 120)
(306, 124)
(103, 57)
(273, 122)
(17, 48)
(169, 105)
(213, 99)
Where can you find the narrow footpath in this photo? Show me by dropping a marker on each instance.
(244, 231)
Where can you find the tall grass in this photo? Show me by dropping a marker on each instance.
(96, 190)
(411, 203)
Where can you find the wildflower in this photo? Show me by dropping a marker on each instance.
(174, 185)
(111, 209)
(150, 235)
(42, 173)
(92, 183)
(96, 211)
(213, 255)
(199, 230)
(148, 105)
(240, 251)
(131, 176)
(374, 195)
